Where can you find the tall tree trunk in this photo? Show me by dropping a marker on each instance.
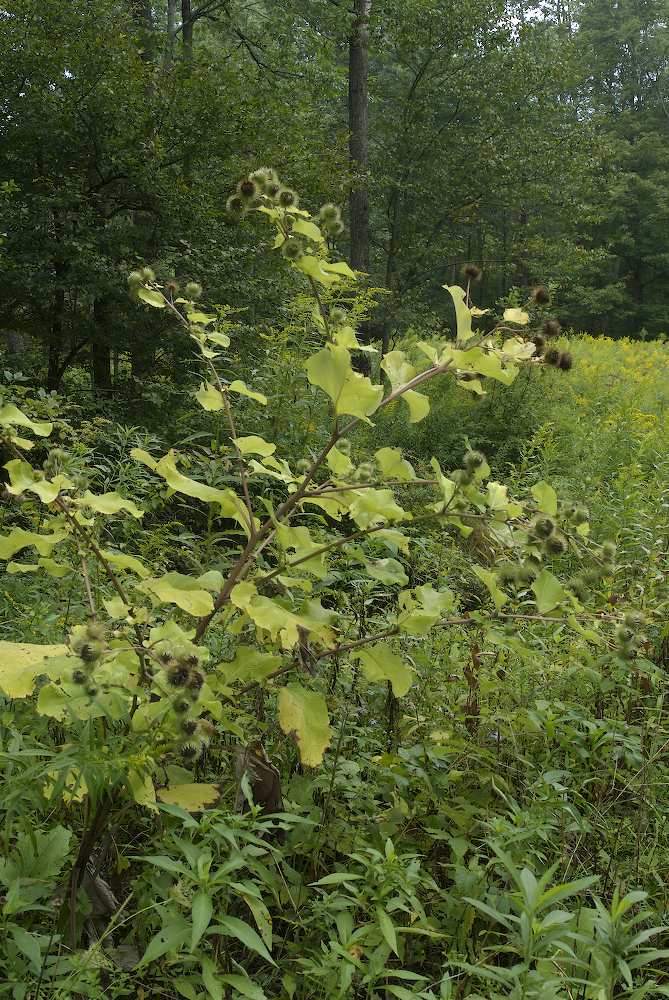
(358, 125)
(187, 29)
(54, 370)
(171, 30)
(100, 348)
(56, 334)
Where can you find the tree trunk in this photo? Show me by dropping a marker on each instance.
(142, 360)
(56, 334)
(100, 348)
(358, 125)
(171, 30)
(187, 29)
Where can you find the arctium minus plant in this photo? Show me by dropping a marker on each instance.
(137, 674)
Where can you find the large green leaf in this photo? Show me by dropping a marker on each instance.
(463, 314)
(209, 397)
(315, 268)
(184, 591)
(23, 478)
(243, 390)
(19, 539)
(108, 503)
(372, 506)
(546, 498)
(151, 297)
(424, 608)
(491, 581)
(254, 445)
(549, 591)
(10, 415)
(400, 371)
(21, 663)
(192, 797)
(392, 464)
(380, 663)
(249, 664)
(350, 392)
(303, 714)
(231, 505)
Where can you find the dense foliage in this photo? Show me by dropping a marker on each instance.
(125, 124)
(327, 723)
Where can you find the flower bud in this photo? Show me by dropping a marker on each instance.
(288, 198)
(543, 526)
(292, 248)
(329, 213)
(235, 206)
(193, 290)
(473, 460)
(551, 328)
(338, 316)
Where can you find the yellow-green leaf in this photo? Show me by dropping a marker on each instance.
(108, 503)
(254, 445)
(21, 663)
(184, 591)
(313, 267)
(303, 714)
(380, 663)
(19, 539)
(141, 787)
(350, 392)
(308, 229)
(242, 389)
(338, 462)
(192, 797)
(546, 498)
(10, 415)
(230, 503)
(151, 297)
(491, 582)
(209, 397)
(419, 405)
(249, 664)
(463, 315)
(518, 316)
(549, 592)
(340, 267)
(392, 464)
(121, 560)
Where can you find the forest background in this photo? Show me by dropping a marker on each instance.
(530, 140)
